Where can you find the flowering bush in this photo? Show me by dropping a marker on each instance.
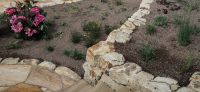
(27, 20)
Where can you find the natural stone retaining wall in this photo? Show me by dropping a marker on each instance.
(45, 75)
(105, 65)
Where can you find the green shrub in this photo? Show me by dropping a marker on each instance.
(184, 34)
(178, 20)
(74, 54)
(50, 48)
(195, 29)
(3, 18)
(104, 1)
(108, 29)
(13, 46)
(76, 37)
(118, 2)
(147, 52)
(150, 29)
(189, 63)
(161, 21)
(56, 17)
(89, 41)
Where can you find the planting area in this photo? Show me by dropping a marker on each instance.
(72, 29)
(169, 45)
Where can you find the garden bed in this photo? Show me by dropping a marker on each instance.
(66, 19)
(159, 52)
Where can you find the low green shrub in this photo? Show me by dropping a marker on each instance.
(104, 1)
(178, 20)
(150, 29)
(184, 34)
(74, 54)
(76, 37)
(118, 2)
(189, 63)
(108, 29)
(89, 41)
(50, 48)
(147, 52)
(161, 21)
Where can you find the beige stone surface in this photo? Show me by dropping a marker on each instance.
(47, 64)
(23, 88)
(113, 58)
(29, 61)
(3, 89)
(13, 74)
(186, 89)
(45, 78)
(67, 72)
(10, 61)
(195, 81)
(101, 87)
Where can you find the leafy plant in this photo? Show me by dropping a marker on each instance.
(118, 2)
(89, 41)
(76, 37)
(108, 29)
(50, 48)
(150, 29)
(74, 54)
(27, 20)
(161, 21)
(189, 63)
(104, 1)
(178, 20)
(147, 52)
(184, 34)
(56, 17)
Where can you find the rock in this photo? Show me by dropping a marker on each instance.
(137, 21)
(45, 78)
(101, 87)
(46, 90)
(1, 59)
(10, 61)
(157, 87)
(122, 74)
(186, 89)
(140, 78)
(49, 65)
(23, 88)
(174, 87)
(123, 89)
(61, 70)
(169, 81)
(113, 58)
(112, 84)
(126, 30)
(67, 82)
(99, 49)
(13, 74)
(92, 73)
(3, 89)
(118, 36)
(195, 81)
(29, 61)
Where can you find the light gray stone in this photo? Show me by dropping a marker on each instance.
(61, 70)
(195, 81)
(118, 36)
(169, 81)
(3, 89)
(1, 59)
(13, 74)
(186, 89)
(157, 87)
(114, 58)
(122, 74)
(47, 64)
(10, 61)
(29, 61)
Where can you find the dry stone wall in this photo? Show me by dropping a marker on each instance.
(105, 65)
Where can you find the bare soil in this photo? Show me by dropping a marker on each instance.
(68, 18)
(170, 56)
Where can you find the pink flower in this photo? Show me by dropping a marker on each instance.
(13, 19)
(10, 11)
(30, 32)
(38, 19)
(35, 10)
(22, 17)
(17, 27)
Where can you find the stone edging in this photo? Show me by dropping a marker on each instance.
(104, 64)
(46, 75)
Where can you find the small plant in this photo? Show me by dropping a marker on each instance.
(89, 41)
(189, 63)
(73, 9)
(92, 28)
(76, 37)
(56, 17)
(184, 34)
(3, 18)
(59, 34)
(13, 45)
(118, 2)
(108, 29)
(104, 1)
(178, 20)
(147, 52)
(74, 54)
(150, 29)
(50, 48)
(161, 21)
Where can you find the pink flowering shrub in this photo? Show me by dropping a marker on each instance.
(27, 20)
